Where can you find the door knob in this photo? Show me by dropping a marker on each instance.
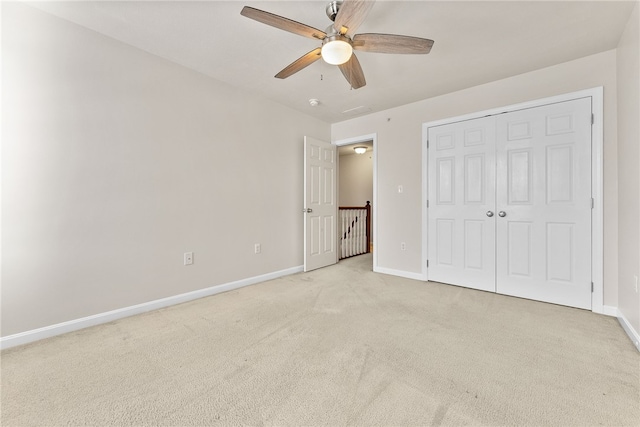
(308, 210)
(502, 214)
(489, 214)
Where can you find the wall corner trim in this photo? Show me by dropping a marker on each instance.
(609, 310)
(109, 316)
(632, 333)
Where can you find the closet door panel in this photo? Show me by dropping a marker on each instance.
(461, 240)
(543, 241)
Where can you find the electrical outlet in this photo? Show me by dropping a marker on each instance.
(188, 258)
(257, 248)
(400, 189)
(403, 246)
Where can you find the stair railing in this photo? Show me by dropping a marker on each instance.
(355, 233)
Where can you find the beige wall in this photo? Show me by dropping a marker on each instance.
(115, 162)
(628, 170)
(399, 148)
(356, 179)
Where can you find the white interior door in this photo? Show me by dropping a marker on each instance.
(461, 240)
(321, 206)
(544, 203)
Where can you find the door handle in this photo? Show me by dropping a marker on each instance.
(502, 214)
(308, 210)
(489, 214)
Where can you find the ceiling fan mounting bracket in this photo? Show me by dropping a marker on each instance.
(332, 9)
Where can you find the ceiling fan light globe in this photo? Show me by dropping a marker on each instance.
(336, 52)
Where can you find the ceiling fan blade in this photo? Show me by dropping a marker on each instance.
(282, 23)
(352, 71)
(300, 63)
(351, 14)
(391, 43)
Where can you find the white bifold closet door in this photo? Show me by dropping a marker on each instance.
(510, 203)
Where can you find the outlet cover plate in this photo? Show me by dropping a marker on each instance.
(188, 258)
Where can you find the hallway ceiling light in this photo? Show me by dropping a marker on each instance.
(360, 150)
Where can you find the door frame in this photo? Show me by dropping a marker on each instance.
(597, 191)
(374, 208)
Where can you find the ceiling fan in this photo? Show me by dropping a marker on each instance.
(339, 41)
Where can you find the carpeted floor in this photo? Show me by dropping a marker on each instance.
(338, 346)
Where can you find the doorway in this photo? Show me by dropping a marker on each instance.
(357, 183)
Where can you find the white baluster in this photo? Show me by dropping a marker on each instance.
(342, 242)
(364, 231)
(363, 226)
(351, 239)
(347, 235)
(361, 223)
(357, 232)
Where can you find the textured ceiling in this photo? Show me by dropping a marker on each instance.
(475, 42)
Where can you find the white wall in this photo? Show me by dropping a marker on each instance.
(399, 148)
(356, 179)
(115, 162)
(628, 67)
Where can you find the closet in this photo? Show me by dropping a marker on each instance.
(510, 203)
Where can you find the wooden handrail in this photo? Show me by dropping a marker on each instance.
(367, 206)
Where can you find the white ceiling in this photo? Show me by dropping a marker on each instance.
(475, 42)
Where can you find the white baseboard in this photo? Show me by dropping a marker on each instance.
(110, 316)
(609, 310)
(633, 334)
(399, 273)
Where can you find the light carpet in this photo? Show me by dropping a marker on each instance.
(337, 346)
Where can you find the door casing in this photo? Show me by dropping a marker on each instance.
(597, 149)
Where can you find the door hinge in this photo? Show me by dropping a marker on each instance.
(427, 144)
(593, 118)
(591, 287)
(593, 203)
(427, 263)
(427, 203)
